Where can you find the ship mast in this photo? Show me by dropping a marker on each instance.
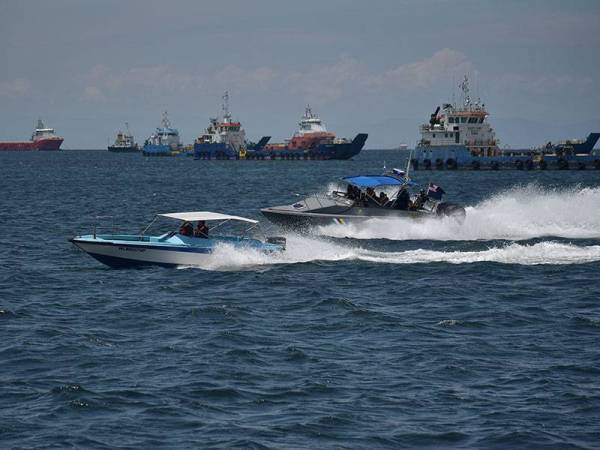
(466, 95)
(165, 120)
(225, 106)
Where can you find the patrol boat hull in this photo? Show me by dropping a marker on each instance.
(319, 211)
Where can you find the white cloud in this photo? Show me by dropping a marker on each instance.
(323, 83)
(92, 93)
(18, 87)
(425, 73)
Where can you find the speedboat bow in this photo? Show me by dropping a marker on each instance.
(181, 247)
(361, 201)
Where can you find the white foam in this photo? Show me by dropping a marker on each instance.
(303, 250)
(521, 213)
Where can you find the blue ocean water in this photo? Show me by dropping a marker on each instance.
(389, 335)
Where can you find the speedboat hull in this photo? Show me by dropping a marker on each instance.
(117, 252)
(302, 215)
(121, 255)
(303, 220)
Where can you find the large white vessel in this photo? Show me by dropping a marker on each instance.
(458, 132)
(460, 137)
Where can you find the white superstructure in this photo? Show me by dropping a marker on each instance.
(224, 131)
(464, 124)
(310, 123)
(165, 135)
(42, 132)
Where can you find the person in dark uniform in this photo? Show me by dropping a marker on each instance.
(403, 199)
(201, 230)
(383, 198)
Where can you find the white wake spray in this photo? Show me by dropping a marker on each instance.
(303, 250)
(517, 214)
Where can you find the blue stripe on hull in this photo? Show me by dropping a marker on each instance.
(125, 263)
(157, 150)
(211, 151)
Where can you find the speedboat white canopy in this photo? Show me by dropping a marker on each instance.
(205, 215)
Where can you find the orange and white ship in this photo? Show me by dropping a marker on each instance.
(43, 138)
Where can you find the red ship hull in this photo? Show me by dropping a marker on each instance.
(49, 144)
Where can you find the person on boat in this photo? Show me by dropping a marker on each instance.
(201, 230)
(419, 201)
(350, 192)
(383, 198)
(403, 199)
(186, 229)
(372, 196)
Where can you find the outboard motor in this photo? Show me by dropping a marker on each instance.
(451, 210)
(277, 240)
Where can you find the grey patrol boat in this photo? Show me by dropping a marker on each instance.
(366, 197)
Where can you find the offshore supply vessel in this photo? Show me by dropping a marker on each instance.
(164, 141)
(124, 142)
(224, 138)
(43, 138)
(460, 137)
(311, 141)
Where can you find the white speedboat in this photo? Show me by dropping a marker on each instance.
(183, 246)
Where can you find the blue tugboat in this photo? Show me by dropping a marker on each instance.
(164, 142)
(460, 137)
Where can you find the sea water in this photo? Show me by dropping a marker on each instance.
(388, 334)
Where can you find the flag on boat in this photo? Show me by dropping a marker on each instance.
(435, 192)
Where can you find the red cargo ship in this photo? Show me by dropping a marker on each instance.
(42, 139)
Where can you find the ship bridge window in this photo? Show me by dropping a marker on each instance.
(472, 119)
(481, 119)
(463, 119)
(451, 119)
(445, 134)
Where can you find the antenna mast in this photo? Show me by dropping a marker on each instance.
(225, 106)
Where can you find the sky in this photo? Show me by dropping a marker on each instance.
(381, 67)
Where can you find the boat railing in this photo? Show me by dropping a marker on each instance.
(96, 227)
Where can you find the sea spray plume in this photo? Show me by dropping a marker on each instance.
(523, 212)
